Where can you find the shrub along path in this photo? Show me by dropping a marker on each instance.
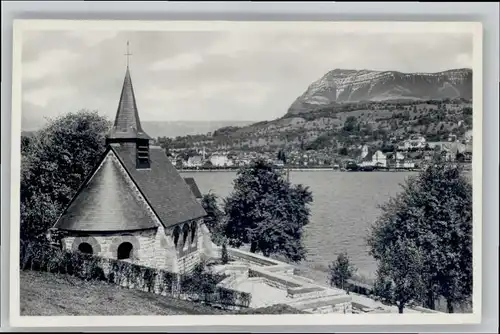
(45, 294)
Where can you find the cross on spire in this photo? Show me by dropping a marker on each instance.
(128, 54)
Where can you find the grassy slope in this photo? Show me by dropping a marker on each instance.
(44, 294)
(48, 294)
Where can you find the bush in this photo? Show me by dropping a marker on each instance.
(199, 283)
(340, 271)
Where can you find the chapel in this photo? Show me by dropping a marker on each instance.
(135, 206)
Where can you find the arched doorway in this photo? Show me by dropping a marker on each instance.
(85, 248)
(125, 251)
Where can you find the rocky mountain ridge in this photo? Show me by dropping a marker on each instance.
(346, 85)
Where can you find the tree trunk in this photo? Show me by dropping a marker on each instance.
(449, 306)
(401, 306)
(431, 302)
(253, 247)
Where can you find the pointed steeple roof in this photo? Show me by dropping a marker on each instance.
(127, 123)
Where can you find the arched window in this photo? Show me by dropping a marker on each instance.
(124, 250)
(185, 235)
(85, 248)
(193, 232)
(177, 232)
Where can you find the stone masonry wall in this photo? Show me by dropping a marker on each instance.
(188, 262)
(165, 254)
(143, 242)
(152, 248)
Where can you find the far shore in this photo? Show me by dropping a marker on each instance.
(467, 166)
(185, 170)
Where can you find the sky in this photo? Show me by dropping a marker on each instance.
(210, 75)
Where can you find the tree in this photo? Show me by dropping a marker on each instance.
(341, 270)
(434, 212)
(166, 144)
(215, 217)
(59, 158)
(406, 115)
(399, 279)
(343, 151)
(267, 212)
(302, 143)
(350, 124)
(282, 156)
(224, 254)
(368, 129)
(25, 144)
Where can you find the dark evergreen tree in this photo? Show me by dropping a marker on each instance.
(267, 212)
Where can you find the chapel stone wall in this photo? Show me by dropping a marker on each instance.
(143, 245)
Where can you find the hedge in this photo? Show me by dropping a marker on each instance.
(199, 285)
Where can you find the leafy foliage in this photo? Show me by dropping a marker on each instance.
(323, 141)
(267, 212)
(343, 151)
(341, 270)
(399, 279)
(166, 144)
(351, 124)
(434, 215)
(215, 218)
(282, 156)
(55, 162)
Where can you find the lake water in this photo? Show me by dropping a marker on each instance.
(345, 205)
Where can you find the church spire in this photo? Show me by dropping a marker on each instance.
(127, 125)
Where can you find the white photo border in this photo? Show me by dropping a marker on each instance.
(248, 320)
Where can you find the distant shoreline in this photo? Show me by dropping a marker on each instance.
(313, 169)
(299, 170)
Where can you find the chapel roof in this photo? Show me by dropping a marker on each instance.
(167, 193)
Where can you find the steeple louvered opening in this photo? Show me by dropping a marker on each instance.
(142, 154)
